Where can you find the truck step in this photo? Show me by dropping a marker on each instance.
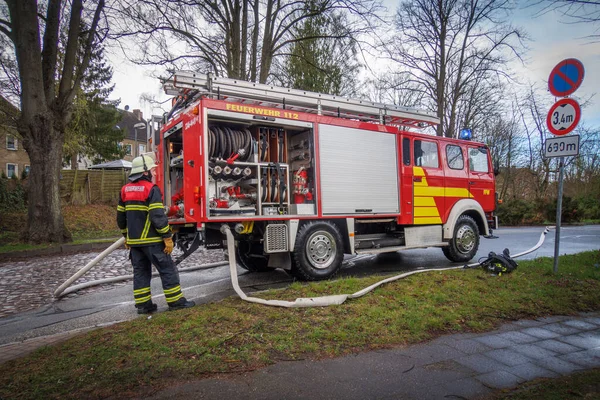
(397, 248)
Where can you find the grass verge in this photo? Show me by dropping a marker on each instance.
(231, 336)
(88, 224)
(581, 385)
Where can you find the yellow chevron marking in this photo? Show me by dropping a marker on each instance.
(427, 220)
(418, 171)
(426, 212)
(429, 191)
(425, 209)
(456, 192)
(424, 202)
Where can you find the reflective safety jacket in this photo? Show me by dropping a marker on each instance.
(140, 214)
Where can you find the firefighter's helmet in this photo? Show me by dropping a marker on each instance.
(141, 164)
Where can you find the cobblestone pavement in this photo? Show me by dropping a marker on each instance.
(29, 284)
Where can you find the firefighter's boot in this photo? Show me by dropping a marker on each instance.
(181, 303)
(147, 307)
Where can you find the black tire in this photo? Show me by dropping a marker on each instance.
(250, 256)
(318, 252)
(465, 240)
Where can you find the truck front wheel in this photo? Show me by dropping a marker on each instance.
(250, 256)
(318, 251)
(465, 241)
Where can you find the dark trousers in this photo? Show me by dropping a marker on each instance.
(142, 259)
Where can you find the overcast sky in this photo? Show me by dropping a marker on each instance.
(552, 40)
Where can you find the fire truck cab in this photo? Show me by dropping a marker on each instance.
(303, 178)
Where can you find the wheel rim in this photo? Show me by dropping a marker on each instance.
(321, 249)
(465, 239)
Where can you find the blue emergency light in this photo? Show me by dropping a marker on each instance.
(465, 134)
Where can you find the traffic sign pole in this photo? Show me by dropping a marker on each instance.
(565, 78)
(558, 213)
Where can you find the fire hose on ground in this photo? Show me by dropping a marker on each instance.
(322, 301)
(64, 289)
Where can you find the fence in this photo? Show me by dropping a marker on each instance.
(91, 186)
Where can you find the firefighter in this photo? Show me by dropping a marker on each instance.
(142, 220)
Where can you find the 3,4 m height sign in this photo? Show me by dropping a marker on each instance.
(563, 116)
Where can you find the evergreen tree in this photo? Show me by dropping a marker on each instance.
(324, 60)
(92, 132)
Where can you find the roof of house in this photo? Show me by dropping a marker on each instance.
(127, 122)
(117, 164)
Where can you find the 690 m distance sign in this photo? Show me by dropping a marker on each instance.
(562, 146)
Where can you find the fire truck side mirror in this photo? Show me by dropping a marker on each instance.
(496, 168)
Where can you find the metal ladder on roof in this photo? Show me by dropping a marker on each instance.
(183, 83)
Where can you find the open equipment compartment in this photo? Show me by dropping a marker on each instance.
(173, 172)
(258, 167)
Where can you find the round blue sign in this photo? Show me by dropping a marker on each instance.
(566, 77)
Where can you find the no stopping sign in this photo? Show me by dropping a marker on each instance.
(566, 77)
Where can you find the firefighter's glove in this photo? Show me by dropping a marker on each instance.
(168, 245)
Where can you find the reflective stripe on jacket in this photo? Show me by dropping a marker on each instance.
(140, 214)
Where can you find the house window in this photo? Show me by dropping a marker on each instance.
(27, 168)
(455, 157)
(127, 149)
(11, 142)
(12, 170)
(141, 148)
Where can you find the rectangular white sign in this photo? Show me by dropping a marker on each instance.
(562, 146)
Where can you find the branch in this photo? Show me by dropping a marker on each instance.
(71, 49)
(50, 50)
(6, 32)
(88, 50)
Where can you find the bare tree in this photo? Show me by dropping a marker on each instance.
(533, 116)
(47, 90)
(394, 87)
(502, 133)
(233, 38)
(451, 48)
(575, 11)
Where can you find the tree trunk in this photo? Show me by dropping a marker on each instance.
(45, 222)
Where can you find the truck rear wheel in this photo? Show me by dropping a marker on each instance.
(465, 241)
(250, 256)
(318, 251)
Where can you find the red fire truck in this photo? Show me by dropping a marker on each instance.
(303, 178)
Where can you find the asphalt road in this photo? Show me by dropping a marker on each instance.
(108, 307)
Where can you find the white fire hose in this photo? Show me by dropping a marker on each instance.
(324, 301)
(64, 289)
(321, 301)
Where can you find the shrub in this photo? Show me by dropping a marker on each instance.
(589, 207)
(570, 211)
(518, 212)
(12, 195)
